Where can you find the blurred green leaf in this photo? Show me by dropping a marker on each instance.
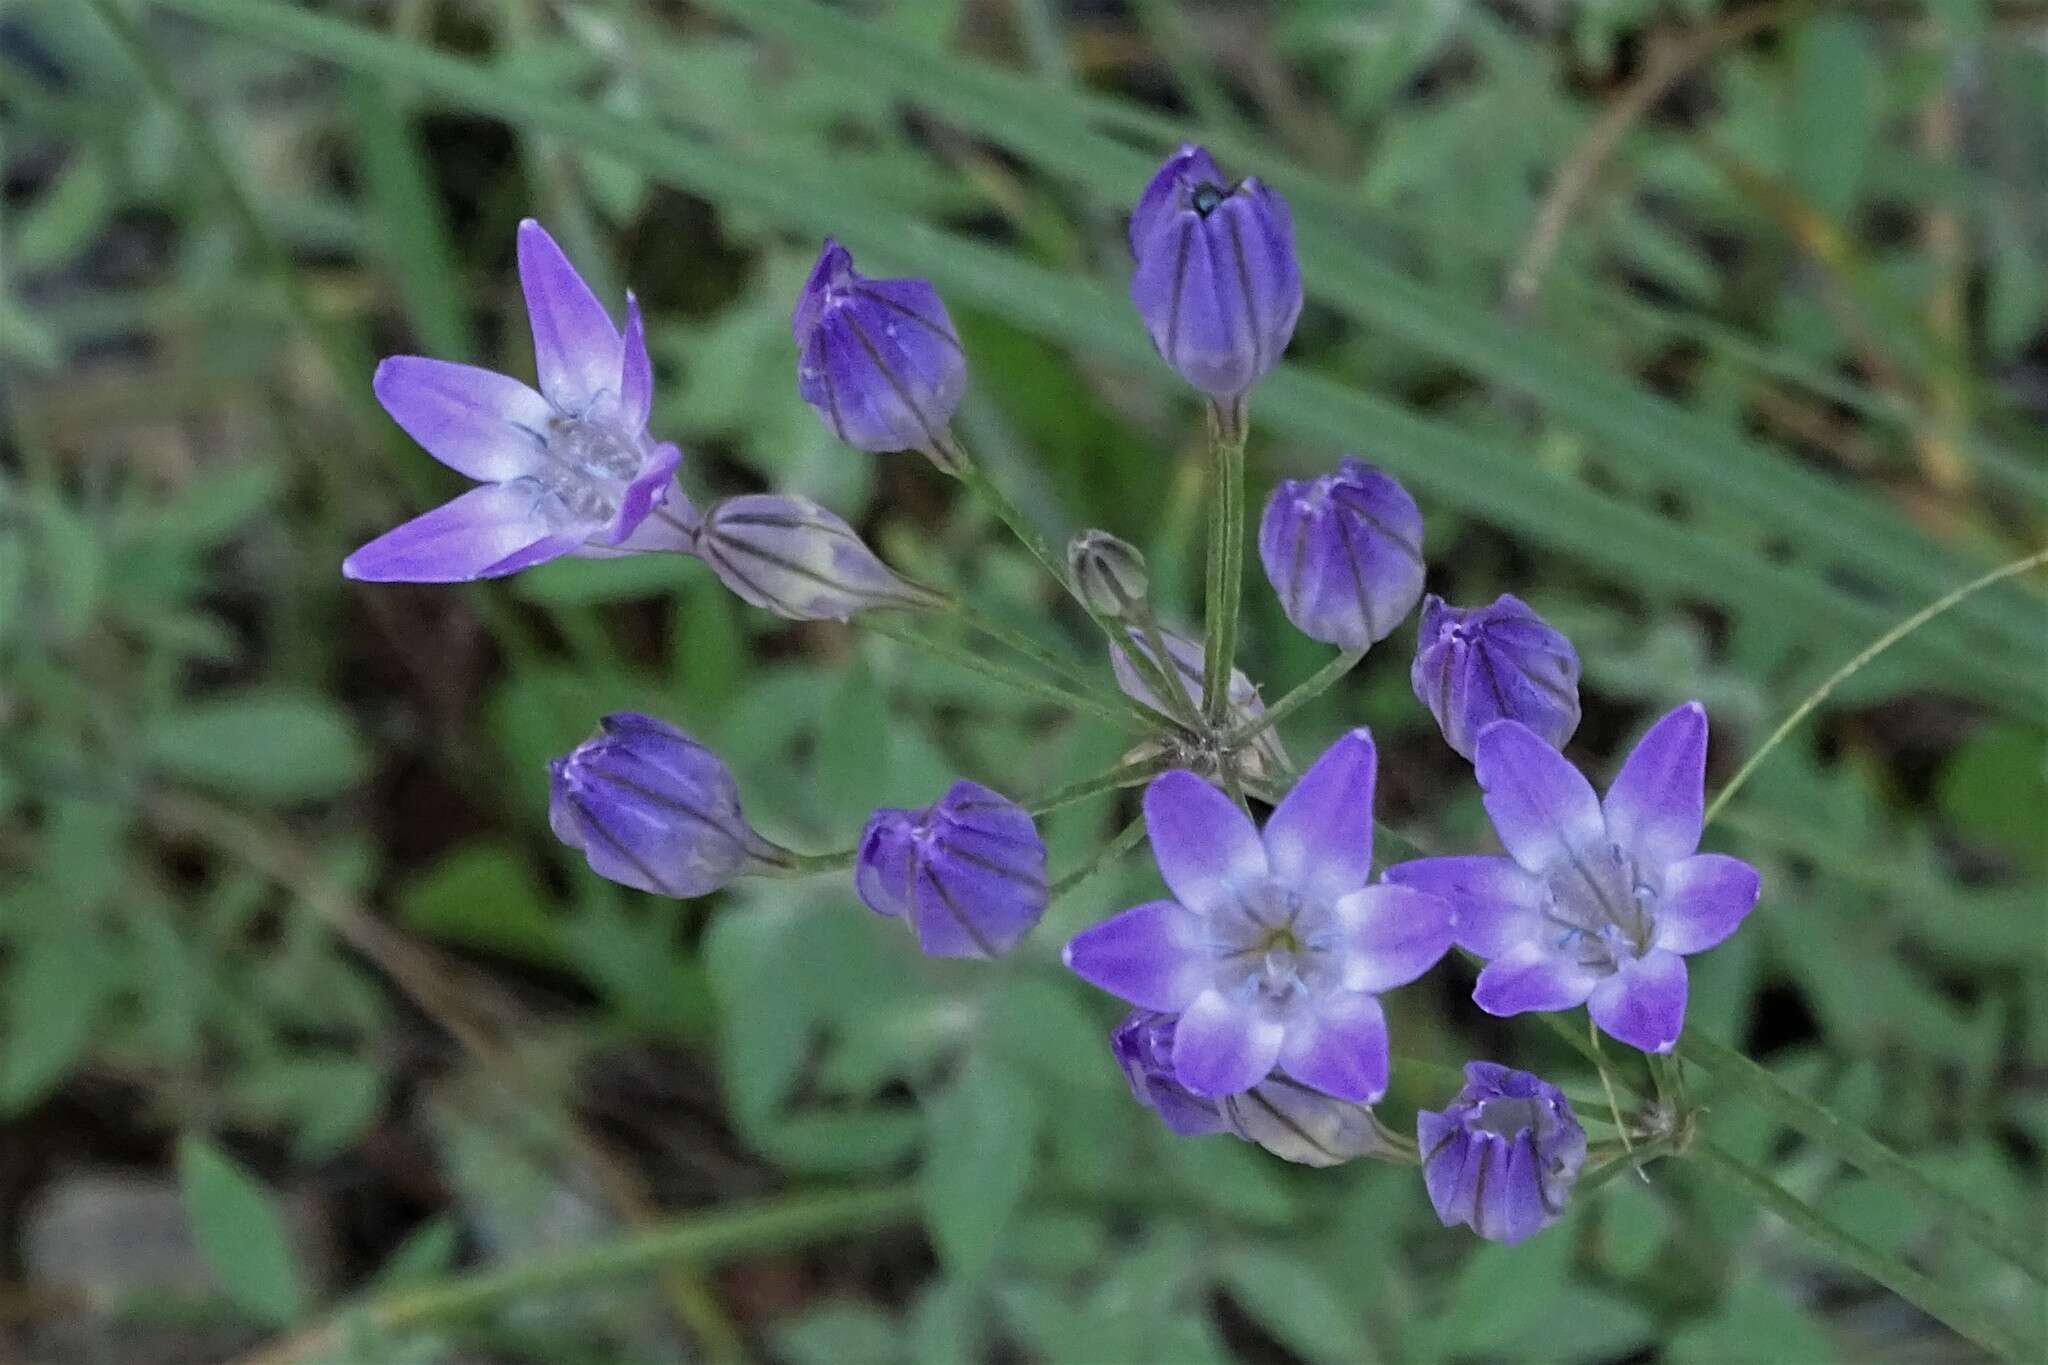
(1292, 1298)
(261, 743)
(980, 1135)
(240, 1233)
(486, 896)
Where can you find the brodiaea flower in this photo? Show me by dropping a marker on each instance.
(653, 809)
(563, 469)
(1503, 1156)
(1275, 946)
(1344, 553)
(1217, 281)
(788, 555)
(878, 360)
(968, 872)
(1477, 665)
(1597, 901)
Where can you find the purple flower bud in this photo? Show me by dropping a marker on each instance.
(1143, 1044)
(653, 809)
(1503, 1156)
(1476, 665)
(968, 872)
(788, 555)
(1217, 281)
(878, 360)
(1344, 552)
(1109, 573)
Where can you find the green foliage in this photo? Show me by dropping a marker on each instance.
(241, 1233)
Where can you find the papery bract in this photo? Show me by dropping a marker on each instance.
(1597, 901)
(1263, 758)
(968, 872)
(1503, 1156)
(878, 360)
(653, 809)
(1344, 554)
(1476, 665)
(1276, 944)
(568, 469)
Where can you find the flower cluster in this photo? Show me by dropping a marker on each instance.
(1256, 983)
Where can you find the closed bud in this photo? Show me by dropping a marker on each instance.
(877, 360)
(1503, 1156)
(1476, 665)
(1217, 281)
(1109, 573)
(1344, 553)
(968, 872)
(653, 809)
(788, 555)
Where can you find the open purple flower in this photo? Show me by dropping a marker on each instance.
(1344, 553)
(1503, 1156)
(878, 360)
(1476, 665)
(968, 872)
(1276, 945)
(1217, 282)
(564, 469)
(1597, 901)
(653, 809)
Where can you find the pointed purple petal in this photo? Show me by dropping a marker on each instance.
(576, 349)
(487, 532)
(636, 381)
(1205, 846)
(1496, 904)
(1643, 1004)
(1542, 808)
(1392, 934)
(1222, 1048)
(1341, 1050)
(1149, 955)
(656, 477)
(1530, 979)
(1319, 839)
(480, 423)
(1705, 897)
(1654, 807)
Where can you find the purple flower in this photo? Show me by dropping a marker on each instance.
(1344, 552)
(1281, 1115)
(1597, 901)
(968, 871)
(1217, 281)
(1263, 758)
(1275, 946)
(1477, 665)
(878, 360)
(653, 809)
(568, 468)
(790, 556)
(1503, 1156)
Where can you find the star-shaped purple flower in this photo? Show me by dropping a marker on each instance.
(562, 471)
(1276, 945)
(1597, 901)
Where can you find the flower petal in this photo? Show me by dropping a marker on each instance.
(1542, 808)
(1393, 934)
(486, 533)
(1205, 846)
(576, 349)
(1341, 1050)
(1149, 955)
(1319, 839)
(1654, 807)
(1643, 1004)
(636, 378)
(1705, 897)
(1222, 1048)
(1495, 904)
(656, 477)
(478, 422)
(1531, 979)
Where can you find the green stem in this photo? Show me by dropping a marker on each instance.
(1225, 570)
(1127, 839)
(1031, 649)
(883, 624)
(1317, 683)
(1856, 665)
(1117, 778)
(1859, 1149)
(1929, 1296)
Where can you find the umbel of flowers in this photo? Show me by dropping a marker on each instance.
(1257, 982)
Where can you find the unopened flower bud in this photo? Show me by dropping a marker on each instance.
(1344, 553)
(878, 360)
(788, 555)
(653, 809)
(1476, 665)
(1108, 572)
(968, 872)
(1503, 1156)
